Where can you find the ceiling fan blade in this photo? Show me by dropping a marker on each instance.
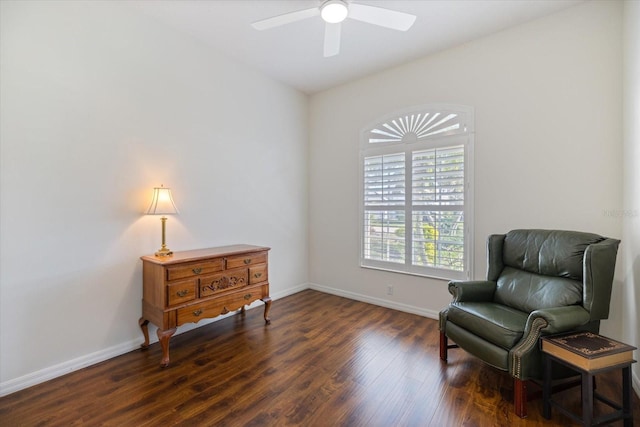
(332, 39)
(384, 17)
(287, 18)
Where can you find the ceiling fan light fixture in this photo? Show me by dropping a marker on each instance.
(334, 11)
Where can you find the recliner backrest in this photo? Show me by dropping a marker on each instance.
(542, 268)
(553, 253)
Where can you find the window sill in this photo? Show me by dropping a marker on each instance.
(430, 275)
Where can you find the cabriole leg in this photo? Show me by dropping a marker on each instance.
(164, 336)
(267, 307)
(144, 325)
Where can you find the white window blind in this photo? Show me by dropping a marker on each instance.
(384, 199)
(416, 193)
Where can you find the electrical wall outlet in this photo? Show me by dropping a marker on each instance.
(389, 289)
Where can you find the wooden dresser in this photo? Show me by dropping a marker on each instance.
(189, 286)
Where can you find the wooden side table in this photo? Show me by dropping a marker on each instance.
(588, 354)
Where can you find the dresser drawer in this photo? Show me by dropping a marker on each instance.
(258, 274)
(182, 291)
(230, 279)
(216, 307)
(247, 260)
(195, 269)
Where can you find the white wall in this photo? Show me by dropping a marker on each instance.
(99, 105)
(548, 145)
(631, 212)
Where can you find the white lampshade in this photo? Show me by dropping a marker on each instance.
(334, 11)
(162, 203)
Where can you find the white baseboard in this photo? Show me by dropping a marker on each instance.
(376, 301)
(411, 309)
(46, 374)
(51, 372)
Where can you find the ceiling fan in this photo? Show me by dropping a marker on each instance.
(333, 12)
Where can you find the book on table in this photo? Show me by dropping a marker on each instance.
(587, 350)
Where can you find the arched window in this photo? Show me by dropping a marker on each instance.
(416, 174)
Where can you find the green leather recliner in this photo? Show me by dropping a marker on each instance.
(539, 282)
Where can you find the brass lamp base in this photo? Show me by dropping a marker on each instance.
(164, 252)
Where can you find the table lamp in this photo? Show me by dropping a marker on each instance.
(162, 204)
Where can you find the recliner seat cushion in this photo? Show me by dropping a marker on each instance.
(527, 292)
(496, 323)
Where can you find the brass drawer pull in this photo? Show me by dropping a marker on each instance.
(247, 296)
(197, 312)
(196, 270)
(182, 293)
(257, 275)
(247, 261)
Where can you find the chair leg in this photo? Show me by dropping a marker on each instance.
(444, 345)
(520, 397)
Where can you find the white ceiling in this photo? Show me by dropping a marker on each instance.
(293, 54)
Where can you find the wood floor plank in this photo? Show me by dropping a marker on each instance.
(323, 361)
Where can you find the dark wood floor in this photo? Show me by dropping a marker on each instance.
(323, 361)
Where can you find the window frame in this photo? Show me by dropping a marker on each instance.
(463, 136)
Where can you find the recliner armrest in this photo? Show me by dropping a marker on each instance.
(472, 290)
(524, 357)
(559, 319)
